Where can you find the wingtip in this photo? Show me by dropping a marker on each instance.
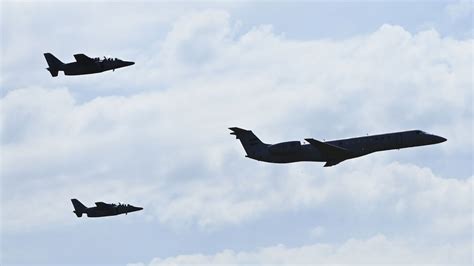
(237, 129)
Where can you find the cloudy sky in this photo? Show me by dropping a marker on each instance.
(155, 134)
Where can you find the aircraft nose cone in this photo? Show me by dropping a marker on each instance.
(129, 63)
(134, 209)
(439, 139)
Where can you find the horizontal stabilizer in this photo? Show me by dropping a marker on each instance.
(238, 131)
(329, 149)
(54, 72)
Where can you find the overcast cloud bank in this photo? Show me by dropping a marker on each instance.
(165, 143)
(374, 250)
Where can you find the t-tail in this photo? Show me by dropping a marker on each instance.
(79, 208)
(54, 64)
(253, 146)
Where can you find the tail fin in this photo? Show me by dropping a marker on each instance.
(53, 63)
(251, 143)
(79, 208)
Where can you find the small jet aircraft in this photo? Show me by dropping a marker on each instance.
(102, 209)
(331, 152)
(83, 65)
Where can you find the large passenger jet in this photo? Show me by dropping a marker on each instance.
(331, 152)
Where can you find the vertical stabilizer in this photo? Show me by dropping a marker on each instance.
(53, 63)
(79, 208)
(252, 144)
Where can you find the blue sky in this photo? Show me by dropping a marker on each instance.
(155, 134)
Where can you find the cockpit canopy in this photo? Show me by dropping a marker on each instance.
(420, 132)
(107, 59)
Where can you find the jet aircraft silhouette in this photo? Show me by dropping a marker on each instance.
(102, 209)
(331, 152)
(83, 65)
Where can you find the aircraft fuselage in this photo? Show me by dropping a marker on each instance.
(84, 65)
(102, 209)
(98, 212)
(334, 151)
(75, 68)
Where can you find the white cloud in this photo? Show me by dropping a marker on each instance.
(377, 249)
(196, 38)
(317, 231)
(165, 145)
(176, 139)
(106, 132)
(132, 31)
(52, 206)
(460, 10)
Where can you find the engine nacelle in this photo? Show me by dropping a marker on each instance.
(285, 147)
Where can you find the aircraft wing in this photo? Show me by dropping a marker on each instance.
(331, 163)
(83, 59)
(329, 149)
(102, 205)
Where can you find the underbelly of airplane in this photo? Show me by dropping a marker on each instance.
(75, 73)
(75, 70)
(292, 159)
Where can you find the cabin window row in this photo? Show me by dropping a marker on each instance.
(366, 139)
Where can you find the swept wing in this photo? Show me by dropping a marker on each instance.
(335, 154)
(327, 148)
(83, 59)
(102, 205)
